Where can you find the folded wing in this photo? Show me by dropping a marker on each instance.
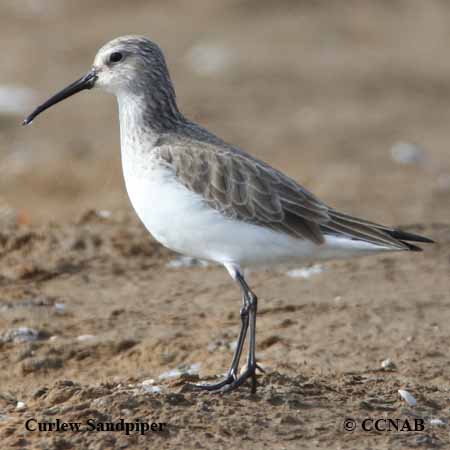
(244, 188)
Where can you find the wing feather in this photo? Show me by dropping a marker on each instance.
(243, 188)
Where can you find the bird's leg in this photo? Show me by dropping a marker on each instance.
(248, 319)
(250, 371)
(233, 370)
(244, 313)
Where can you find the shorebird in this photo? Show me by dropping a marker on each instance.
(200, 196)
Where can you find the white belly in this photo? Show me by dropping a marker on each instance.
(181, 221)
(174, 216)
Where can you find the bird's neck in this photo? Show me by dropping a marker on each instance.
(144, 117)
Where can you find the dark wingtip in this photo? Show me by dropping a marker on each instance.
(405, 236)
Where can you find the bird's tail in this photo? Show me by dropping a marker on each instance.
(405, 238)
(360, 229)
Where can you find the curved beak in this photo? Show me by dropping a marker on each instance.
(86, 82)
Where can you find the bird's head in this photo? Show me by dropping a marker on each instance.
(125, 65)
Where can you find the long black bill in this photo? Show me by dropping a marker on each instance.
(86, 82)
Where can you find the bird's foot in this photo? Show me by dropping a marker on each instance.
(248, 373)
(216, 387)
(233, 381)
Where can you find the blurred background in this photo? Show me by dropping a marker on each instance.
(350, 98)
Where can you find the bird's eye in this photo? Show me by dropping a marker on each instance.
(115, 57)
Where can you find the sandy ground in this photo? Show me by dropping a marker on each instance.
(338, 94)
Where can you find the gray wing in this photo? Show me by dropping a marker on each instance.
(244, 188)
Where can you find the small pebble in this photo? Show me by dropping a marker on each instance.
(305, 272)
(175, 373)
(104, 214)
(407, 153)
(59, 307)
(21, 334)
(405, 395)
(388, 364)
(151, 389)
(186, 261)
(437, 422)
(20, 406)
(85, 337)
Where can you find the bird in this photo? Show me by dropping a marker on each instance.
(203, 197)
